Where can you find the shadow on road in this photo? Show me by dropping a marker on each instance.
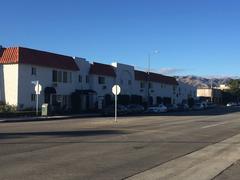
(60, 133)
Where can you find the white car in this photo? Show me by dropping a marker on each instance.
(231, 104)
(157, 109)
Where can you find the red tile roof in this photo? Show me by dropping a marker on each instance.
(20, 55)
(102, 69)
(154, 77)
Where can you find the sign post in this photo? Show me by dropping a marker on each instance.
(38, 89)
(116, 91)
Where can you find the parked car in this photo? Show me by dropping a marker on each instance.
(231, 104)
(182, 107)
(134, 108)
(198, 106)
(171, 107)
(110, 110)
(157, 109)
(211, 105)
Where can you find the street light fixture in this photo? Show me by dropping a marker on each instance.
(148, 75)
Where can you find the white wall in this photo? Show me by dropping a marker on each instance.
(18, 87)
(2, 92)
(84, 67)
(185, 91)
(125, 73)
(102, 89)
(10, 73)
(158, 89)
(140, 91)
(207, 92)
(44, 76)
(161, 90)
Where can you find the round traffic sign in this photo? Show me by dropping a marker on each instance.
(116, 89)
(38, 88)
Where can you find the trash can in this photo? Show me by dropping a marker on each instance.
(45, 110)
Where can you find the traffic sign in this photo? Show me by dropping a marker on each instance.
(38, 88)
(116, 89)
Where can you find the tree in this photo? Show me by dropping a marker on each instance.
(234, 90)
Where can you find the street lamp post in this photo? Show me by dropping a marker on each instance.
(148, 80)
(148, 75)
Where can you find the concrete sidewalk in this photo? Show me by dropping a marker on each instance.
(204, 164)
(46, 118)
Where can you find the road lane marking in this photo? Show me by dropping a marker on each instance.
(213, 125)
(203, 164)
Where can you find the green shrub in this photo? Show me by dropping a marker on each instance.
(7, 108)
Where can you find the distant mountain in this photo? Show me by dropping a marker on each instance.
(203, 82)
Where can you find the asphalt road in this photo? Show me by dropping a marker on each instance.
(194, 145)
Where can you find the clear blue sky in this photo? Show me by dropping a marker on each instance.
(200, 37)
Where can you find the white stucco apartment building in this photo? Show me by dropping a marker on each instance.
(72, 82)
(20, 66)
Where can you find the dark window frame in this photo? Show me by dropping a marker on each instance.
(34, 71)
(54, 76)
(65, 77)
(101, 80)
(79, 78)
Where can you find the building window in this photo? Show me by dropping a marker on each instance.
(59, 76)
(34, 71)
(65, 77)
(54, 76)
(101, 80)
(79, 78)
(87, 79)
(70, 77)
(33, 97)
(129, 82)
(142, 84)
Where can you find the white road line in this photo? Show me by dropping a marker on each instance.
(213, 125)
